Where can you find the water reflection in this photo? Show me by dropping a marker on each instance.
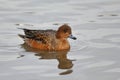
(60, 56)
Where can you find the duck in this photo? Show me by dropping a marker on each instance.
(50, 40)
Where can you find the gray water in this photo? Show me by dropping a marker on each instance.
(94, 55)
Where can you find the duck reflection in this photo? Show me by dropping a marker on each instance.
(60, 56)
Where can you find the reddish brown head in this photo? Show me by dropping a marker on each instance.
(64, 32)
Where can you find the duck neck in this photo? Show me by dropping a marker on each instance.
(62, 44)
(58, 35)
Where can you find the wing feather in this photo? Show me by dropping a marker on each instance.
(39, 35)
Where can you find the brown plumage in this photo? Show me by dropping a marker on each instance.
(48, 39)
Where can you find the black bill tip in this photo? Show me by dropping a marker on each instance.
(72, 37)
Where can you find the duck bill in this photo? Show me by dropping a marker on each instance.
(72, 37)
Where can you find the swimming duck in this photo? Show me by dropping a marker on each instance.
(48, 39)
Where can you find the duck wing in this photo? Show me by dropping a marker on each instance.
(43, 36)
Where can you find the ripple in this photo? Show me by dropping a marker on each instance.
(82, 57)
(113, 70)
(8, 57)
(99, 64)
(27, 67)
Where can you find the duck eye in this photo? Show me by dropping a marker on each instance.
(65, 30)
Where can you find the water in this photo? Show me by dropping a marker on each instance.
(93, 56)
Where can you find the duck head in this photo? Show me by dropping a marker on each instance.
(64, 32)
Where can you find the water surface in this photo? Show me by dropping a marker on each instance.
(93, 56)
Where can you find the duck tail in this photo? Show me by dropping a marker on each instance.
(23, 29)
(22, 36)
